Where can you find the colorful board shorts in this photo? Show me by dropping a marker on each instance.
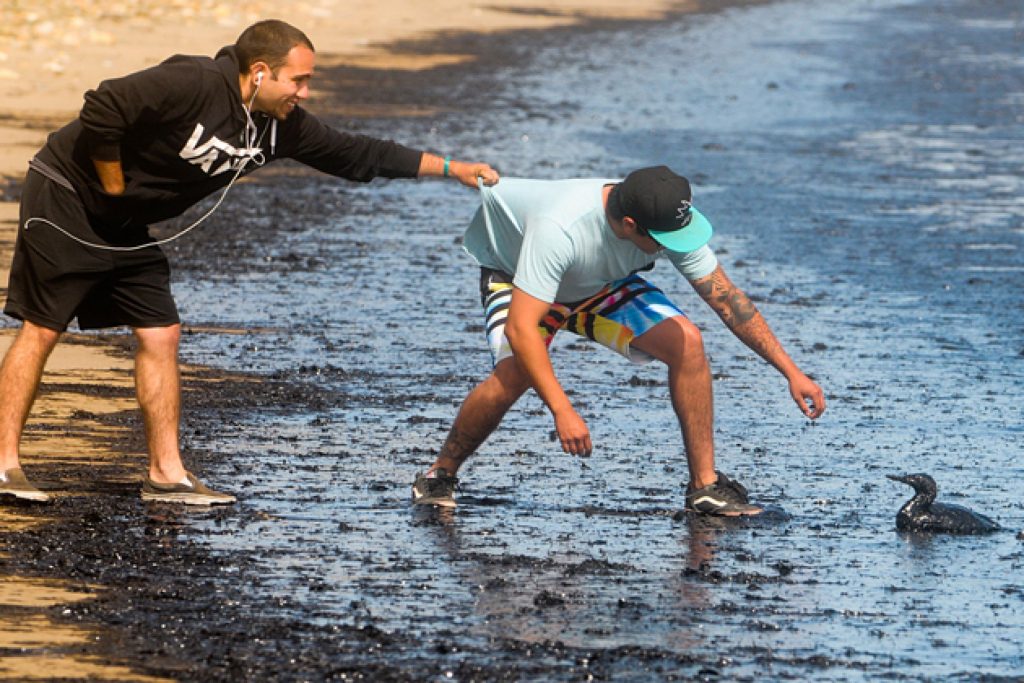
(613, 317)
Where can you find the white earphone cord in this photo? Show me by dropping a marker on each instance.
(251, 143)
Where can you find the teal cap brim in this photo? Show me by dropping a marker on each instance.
(694, 236)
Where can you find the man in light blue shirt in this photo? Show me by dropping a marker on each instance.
(565, 255)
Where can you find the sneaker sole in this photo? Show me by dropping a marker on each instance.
(740, 513)
(729, 513)
(35, 496)
(186, 499)
(440, 502)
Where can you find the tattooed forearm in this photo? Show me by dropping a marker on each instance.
(740, 315)
(726, 299)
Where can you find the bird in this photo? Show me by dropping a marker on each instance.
(922, 513)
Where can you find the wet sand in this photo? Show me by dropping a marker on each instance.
(829, 163)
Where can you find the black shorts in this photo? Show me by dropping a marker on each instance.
(55, 279)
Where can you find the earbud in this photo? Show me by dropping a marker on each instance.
(259, 77)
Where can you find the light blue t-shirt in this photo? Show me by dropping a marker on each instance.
(554, 238)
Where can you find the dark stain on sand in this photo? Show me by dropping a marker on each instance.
(860, 162)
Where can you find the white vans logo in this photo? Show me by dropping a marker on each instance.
(215, 152)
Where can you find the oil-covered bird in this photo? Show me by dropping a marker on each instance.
(922, 513)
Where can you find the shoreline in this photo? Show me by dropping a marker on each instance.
(827, 162)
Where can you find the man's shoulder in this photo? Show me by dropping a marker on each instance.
(561, 200)
(192, 74)
(223, 67)
(561, 184)
(201, 62)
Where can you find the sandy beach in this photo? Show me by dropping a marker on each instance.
(51, 52)
(860, 163)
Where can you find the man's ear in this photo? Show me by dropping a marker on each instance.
(630, 226)
(259, 71)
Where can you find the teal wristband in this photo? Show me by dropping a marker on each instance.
(447, 161)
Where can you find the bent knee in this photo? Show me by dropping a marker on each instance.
(673, 341)
(689, 340)
(691, 334)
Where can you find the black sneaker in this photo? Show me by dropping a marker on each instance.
(436, 489)
(725, 497)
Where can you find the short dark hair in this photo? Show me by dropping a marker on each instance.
(268, 41)
(615, 210)
(614, 206)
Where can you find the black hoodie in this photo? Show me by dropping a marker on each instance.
(180, 131)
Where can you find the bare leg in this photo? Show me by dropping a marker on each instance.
(481, 413)
(677, 343)
(20, 374)
(158, 387)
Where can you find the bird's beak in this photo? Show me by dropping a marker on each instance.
(898, 477)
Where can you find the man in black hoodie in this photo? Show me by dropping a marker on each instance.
(145, 148)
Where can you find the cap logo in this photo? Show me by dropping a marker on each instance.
(683, 214)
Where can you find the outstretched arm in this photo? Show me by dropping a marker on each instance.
(465, 172)
(744, 320)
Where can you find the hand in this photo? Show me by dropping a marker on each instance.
(808, 395)
(469, 173)
(573, 433)
(111, 176)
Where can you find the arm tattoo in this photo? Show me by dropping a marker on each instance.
(740, 315)
(726, 299)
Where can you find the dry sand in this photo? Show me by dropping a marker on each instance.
(51, 51)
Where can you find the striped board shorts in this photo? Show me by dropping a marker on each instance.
(613, 317)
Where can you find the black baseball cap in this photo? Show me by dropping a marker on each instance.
(660, 201)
